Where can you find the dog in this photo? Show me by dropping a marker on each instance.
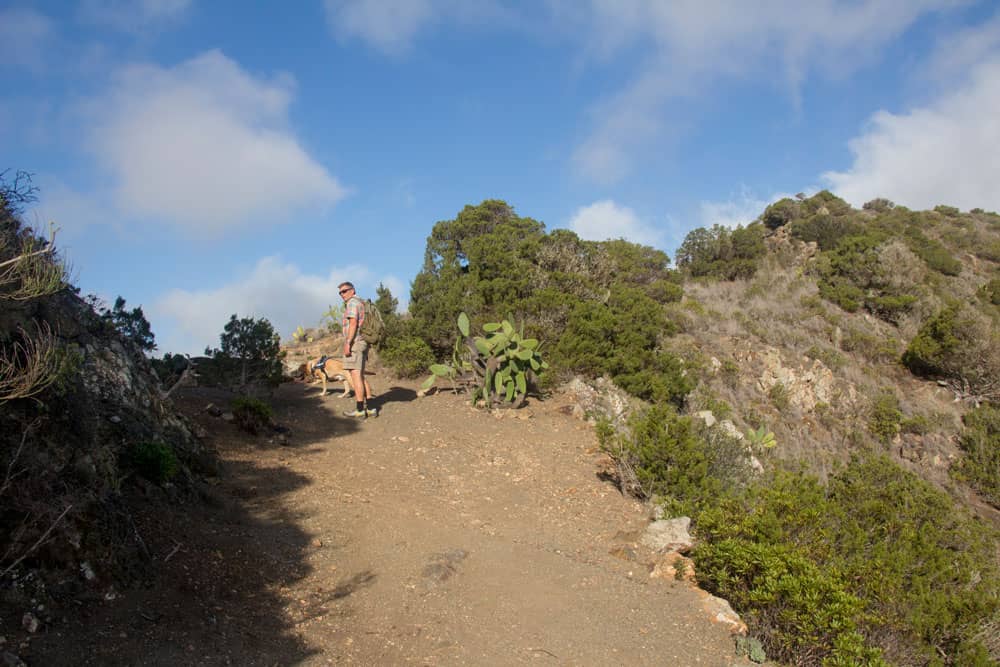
(332, 369)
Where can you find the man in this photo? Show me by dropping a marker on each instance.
(355, 350)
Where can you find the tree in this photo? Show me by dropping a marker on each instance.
(251, 348)
(131, 324)
(482, 263)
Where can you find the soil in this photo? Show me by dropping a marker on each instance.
(434, 534)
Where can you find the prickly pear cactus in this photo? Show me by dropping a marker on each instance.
(496, 366)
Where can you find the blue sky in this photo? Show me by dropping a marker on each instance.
(208, 158)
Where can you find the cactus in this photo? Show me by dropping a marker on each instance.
(761, 438)
(497, 366)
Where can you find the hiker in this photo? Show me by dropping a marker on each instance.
(355, 350)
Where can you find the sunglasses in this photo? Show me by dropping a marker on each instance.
(345, 290)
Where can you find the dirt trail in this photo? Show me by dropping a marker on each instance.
(435, 534)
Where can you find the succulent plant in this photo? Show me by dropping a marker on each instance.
(497, 366)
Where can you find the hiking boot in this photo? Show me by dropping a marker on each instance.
(355, 413)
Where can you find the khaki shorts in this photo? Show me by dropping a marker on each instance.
(358, 357)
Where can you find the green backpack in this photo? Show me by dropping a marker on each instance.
(373, 326)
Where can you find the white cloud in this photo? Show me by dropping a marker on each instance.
(742, 209)
(958, 52)
(389, 25)
(23, 37)
(204, 146)
(605, 220)
(132, 15)
(274, 289)
(690, 46)
(944, 153)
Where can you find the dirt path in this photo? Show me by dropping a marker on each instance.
(434, 535)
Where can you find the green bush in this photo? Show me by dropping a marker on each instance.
(677, 460)
(780, 213)
(990, 292)
(408, 357)
(622, 340)
(877, 561)
(721, 252)
(251, 415)
(961, 345)
(156, 461)
(980, 443)
(885, 417)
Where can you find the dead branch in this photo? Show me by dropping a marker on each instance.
(10, 475)
(38, 543)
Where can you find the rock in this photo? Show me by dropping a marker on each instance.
(213, 410)
(30, 622)
(228, 417)
(669, 535)
(87, 571)
(707, 417)
(115, 419)
(672, 567)
(720, 612)
(8, 659)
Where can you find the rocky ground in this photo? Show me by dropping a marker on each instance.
(436, 534)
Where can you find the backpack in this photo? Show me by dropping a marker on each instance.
(373, 326)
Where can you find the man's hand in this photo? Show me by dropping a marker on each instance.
(347, 349)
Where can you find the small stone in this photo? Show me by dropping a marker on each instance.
(317, 542)
(115, 419)
(228, 417)
(402, 438)
(30, 622)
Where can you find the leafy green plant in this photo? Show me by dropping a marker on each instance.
(778, 394)
(156, 461)
(761, 439)
(885, 417)
(300, 335)
(407, 356)
(251, 415)
(497, 366)
(980, 443)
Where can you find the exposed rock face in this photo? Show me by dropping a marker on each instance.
(75, 443)
(599, 399)
(806, 383)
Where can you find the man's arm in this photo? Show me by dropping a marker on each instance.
(352, 330)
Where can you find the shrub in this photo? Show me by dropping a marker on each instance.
(155, 461)
(879, 205)
(990, 292)
(780, 213)
(778, 394)
(885, 417)
(980, 443)
(875, 562)
(251, 415)
(621, 339)
(961, 346)
(408, 357)
(723, 253)
(672, 458)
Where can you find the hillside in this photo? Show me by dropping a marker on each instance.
(815, 391)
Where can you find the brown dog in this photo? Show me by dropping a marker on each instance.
(333, 369)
